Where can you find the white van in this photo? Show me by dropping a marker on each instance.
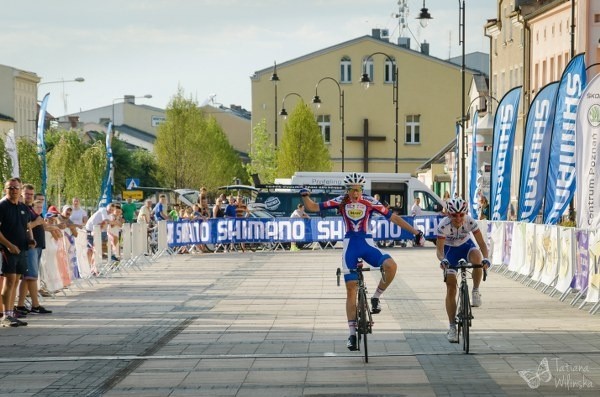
(399, 190)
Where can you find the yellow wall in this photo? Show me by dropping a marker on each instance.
(427, 86)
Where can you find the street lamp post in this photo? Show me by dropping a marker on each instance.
(366, 82)
(317, 101)
(63, 81)
(283, 113)
(275, 80)
(463, 135)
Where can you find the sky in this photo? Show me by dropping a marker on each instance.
(205, 47)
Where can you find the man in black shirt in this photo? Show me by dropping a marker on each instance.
(15, 239)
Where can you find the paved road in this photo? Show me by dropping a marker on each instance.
(273, 324)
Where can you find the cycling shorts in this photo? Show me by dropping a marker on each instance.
(455, 254)
(362, 247)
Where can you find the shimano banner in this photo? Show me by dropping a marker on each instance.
(505, 123)
(560, 184)
(280, 230)
(536, 151)
(587, 135)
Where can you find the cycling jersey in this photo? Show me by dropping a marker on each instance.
(358, 244)
(456, 236)
(356, 215)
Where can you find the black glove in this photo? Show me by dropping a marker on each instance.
(419, 239)
(304, 192)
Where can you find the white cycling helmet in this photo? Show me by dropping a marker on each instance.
(354, 179)
(457, 206)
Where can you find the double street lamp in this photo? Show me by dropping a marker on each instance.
(275, 80)
(317, 101)
(365, 80)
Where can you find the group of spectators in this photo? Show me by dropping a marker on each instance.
(22, 239)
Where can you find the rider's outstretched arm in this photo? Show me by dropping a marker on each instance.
(398, 220)
(309, 204)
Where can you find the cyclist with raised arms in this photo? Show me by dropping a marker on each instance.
(455, 242)
(356, 210)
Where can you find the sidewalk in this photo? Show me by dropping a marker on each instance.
(273, 324)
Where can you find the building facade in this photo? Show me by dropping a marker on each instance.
(18, 101)
(428, 103)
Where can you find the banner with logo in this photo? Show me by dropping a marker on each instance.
(505, 124)
(41, 144)
(454, 183)
(587, 134)
(536, 152)
(11, 150)
(582, 260)
(560, 184)
(473, 179)
(107, 182)
(280, 230)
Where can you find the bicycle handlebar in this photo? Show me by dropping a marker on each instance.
(463, 264)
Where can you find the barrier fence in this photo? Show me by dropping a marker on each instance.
(551, 259)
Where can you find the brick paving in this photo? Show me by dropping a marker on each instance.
(273, 324)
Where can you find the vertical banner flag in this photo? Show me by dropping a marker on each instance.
(454, 183)
(473, 179)
(505, 124)
(41, 145)
(13, 154)
(560, 184)
(587, 134)
(536, 152)
(107, 182)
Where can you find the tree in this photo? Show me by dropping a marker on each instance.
(63, 164)
(88, 181)
(192, 150)
(30, 166)
(302, 147)
(5, 163)
(144, 167)
(263, 154)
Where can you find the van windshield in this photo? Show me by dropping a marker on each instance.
(282, 204)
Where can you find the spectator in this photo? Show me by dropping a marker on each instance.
(204, 208)
(144, 216)
(174, 213)
(484, 208)
(78, 215)
(113, 232)
(15, 240)
(218, 211)
(101, 218)
(416, 208)
(298, 213)
(160, 209)
(129, 208)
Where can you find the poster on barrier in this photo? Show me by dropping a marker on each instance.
(530, 250)
(49, 274)
(71, 255)
(540, 254)
(582, 258)
(61, 262)
(517, 254)
(497, 245)
(550, 251)
(506, 250)
(565, 263)
(593, 291)
(82, 259)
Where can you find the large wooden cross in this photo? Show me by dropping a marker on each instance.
(365, 138)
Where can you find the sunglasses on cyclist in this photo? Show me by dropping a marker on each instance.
(457, 215)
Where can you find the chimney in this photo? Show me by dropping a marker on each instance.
(404, 42)
(129, 99)
(425, 48)
(73, 121)
(376, 33)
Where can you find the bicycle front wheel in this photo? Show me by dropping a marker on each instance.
(466, 311)
(363, 322)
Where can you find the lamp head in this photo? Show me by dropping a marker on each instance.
(283, 113)
(424, 16)
(316, 101)
(365, 81)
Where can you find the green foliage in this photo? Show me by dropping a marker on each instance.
(263, 154)
(5, 163)
(145, 167)
(62, 166)
(302, 147)
(88, 181)
(192, 150)
(30, 165)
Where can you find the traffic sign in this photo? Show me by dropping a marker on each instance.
(132, 183)
(133, 194)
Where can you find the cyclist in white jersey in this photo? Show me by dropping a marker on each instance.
(455, 242)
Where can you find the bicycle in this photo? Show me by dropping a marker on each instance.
(464, 314)
(364, 318)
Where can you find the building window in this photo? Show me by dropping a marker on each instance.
(413, 128)
(388, 71)
(368, 69)
(345, 70)
(324, 122)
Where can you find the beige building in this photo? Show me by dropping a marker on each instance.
(428, 102)
(235, 122)
(18, 101)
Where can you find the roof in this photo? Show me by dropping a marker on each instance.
(6, 118)
(439, 157)
(351, 42)
(135, 133)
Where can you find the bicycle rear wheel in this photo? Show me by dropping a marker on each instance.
(466, 311)
(363, 322)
